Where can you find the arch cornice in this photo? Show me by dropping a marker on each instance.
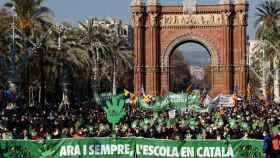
(208, 44)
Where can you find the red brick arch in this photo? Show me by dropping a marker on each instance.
(190, 37)
(221, 29)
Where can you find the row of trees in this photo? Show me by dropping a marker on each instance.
(265, 62)
(59, 61)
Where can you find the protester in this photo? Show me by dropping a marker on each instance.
(267, 147)
(246, 120)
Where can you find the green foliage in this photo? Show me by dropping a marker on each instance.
(25, 8)
(267, 22)
(79, 62)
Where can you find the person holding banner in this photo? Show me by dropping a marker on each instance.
(267, 144)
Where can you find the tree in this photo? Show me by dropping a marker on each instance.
(119, 57)
(268, 31)
(180, 75)
(33, 24)
(5, 20)
(94, 39)
(63, 61)
(267, 22)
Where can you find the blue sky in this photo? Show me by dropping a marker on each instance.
(77, 10)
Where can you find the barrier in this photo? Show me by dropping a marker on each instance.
(130, 148)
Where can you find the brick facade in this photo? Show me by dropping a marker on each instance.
(154, 43)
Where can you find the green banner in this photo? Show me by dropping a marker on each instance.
(180, 101)
(130, 148)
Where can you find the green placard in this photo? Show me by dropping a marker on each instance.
(114, 111)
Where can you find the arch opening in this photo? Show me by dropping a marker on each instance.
(190, 66)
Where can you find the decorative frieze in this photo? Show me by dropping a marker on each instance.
(191, 20)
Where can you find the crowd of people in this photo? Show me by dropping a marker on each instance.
(246, 120)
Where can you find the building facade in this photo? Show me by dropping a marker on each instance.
(159, 29)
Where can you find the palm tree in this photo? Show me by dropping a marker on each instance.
(268, 31)
(75, 62)
(118, 56)
(94, 39)
(267, 22)
(63, 60)
(33, 22)
(5, 20)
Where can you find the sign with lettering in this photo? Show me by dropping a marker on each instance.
(226, 101)
(131, 148)
(191, 20)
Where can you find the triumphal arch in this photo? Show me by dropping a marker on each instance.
(158, 29)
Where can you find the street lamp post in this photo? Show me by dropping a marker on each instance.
(13, 51)
(12, 73)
